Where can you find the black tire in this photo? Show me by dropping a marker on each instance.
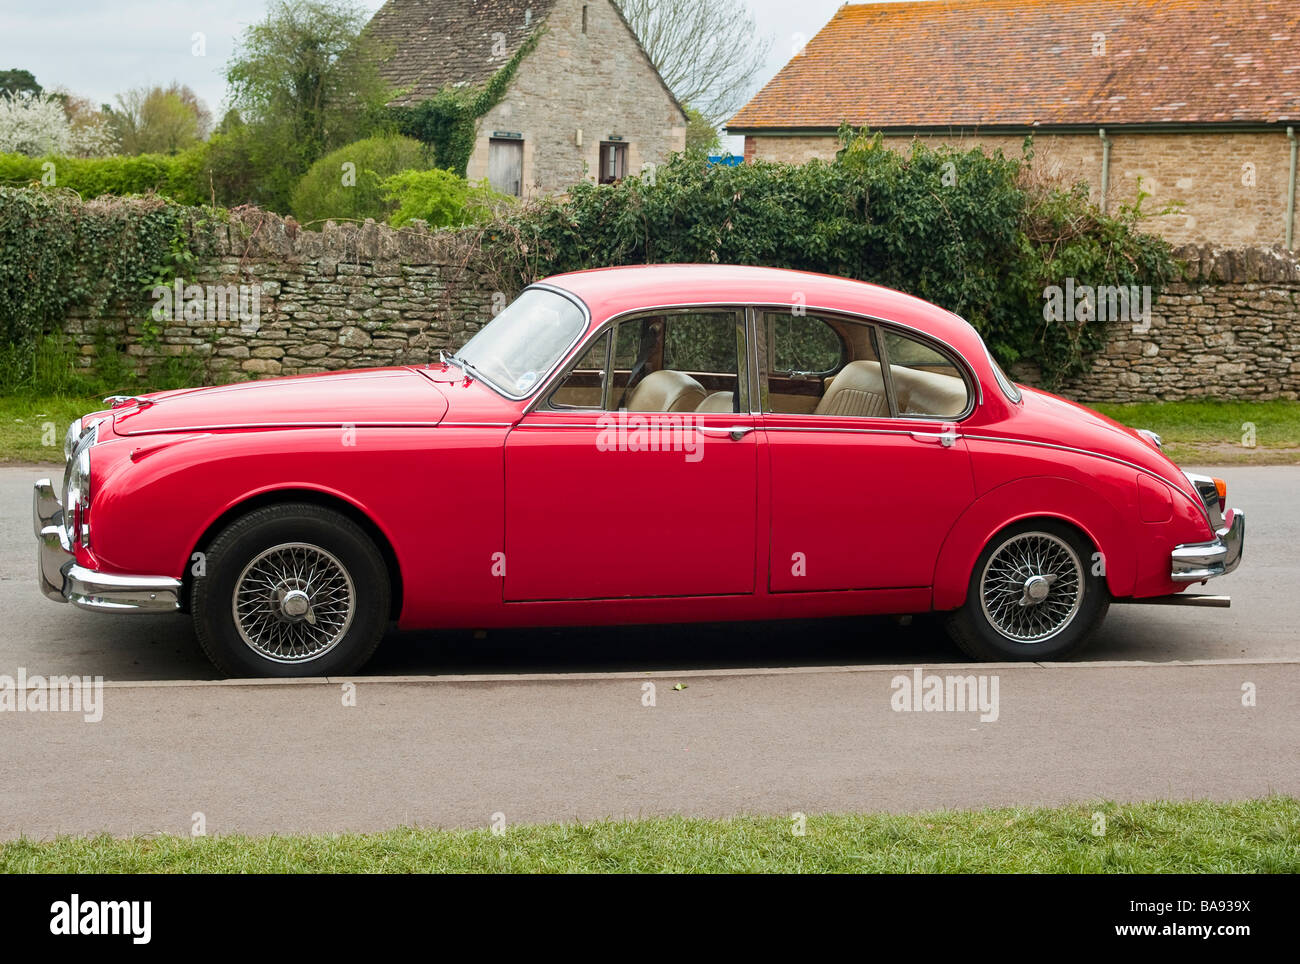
(986, 626)
(264, 553)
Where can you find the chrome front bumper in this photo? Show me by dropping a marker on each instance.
(62, 580)
(1199, 561)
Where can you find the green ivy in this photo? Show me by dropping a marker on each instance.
(58, 253)
(448, 121)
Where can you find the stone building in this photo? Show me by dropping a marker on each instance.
(1195, 102)
(586, 102)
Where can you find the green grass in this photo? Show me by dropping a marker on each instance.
(27, 425)
(1212, 432)
(1249, 837)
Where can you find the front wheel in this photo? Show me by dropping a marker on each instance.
(291, 590)
(1033, 595)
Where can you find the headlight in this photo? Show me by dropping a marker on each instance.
(71, 439)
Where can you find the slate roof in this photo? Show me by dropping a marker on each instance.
(432, 43)
(982, 63)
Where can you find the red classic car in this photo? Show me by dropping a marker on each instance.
(632, 445)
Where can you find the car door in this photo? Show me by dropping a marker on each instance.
(868, 469)
(635, 475)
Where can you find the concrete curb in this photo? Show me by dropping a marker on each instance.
(977, 668)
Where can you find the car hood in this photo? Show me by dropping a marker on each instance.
(373, 397)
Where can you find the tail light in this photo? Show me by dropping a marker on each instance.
(1222, 488)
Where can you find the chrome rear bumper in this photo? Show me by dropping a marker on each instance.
(62, 580)
(1198, 561)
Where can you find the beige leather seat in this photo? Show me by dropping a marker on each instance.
(666, 391)
(928, 393)
(859, 389)
(718, 402)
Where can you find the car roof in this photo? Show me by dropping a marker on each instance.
(609, 291)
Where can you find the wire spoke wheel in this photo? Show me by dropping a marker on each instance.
(1032, 587)
(293, 602)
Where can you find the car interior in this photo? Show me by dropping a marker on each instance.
(689, 361)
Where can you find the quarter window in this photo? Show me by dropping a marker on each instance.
(925, 381)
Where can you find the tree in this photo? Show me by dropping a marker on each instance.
(39, 126)
(15, 82)
(160, 120)
(305, 81)
(708, 54)
(700, 134)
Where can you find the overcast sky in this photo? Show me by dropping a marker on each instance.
(98, 48)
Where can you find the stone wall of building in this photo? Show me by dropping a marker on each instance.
(587, 74)
(353, 295)
(1225, 188)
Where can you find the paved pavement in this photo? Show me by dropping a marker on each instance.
(446, 753)
(547, 725)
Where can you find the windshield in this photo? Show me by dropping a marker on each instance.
(518, 348)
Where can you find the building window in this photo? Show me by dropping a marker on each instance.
(613, 162)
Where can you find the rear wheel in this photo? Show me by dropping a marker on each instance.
(291, 590)
(1033, 595)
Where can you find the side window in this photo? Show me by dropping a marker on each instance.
(925, 381)
(803, 343)
(584, 386)
(679, 361)
(820, 367)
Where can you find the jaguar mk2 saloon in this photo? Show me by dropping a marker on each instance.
(662, 444)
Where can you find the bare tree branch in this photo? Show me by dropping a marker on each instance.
(707, 51)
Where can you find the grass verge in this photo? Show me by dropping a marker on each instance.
(31, 429)
(1216, 433)
(1199, 837)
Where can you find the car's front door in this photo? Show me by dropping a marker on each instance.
(868, 469)
(636, 475)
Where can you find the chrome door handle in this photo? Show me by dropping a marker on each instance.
(735, 432)
(946, 439)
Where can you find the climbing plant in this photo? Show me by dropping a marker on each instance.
(448, 121)
(58, 253)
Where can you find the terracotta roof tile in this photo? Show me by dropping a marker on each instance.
(977, 63)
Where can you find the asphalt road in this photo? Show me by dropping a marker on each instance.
(551, 725)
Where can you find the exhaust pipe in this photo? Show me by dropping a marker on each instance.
(1182, 599)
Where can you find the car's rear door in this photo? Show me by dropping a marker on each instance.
(863, 491)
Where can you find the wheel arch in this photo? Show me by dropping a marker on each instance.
(325, 500)
(1054, 499)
